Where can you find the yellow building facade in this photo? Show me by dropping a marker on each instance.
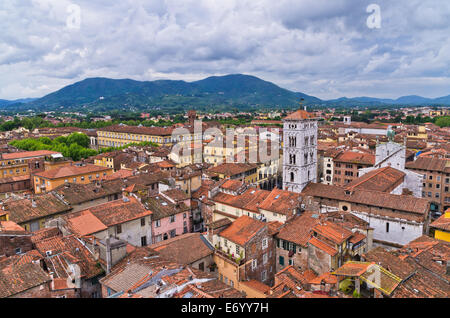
(48, 180)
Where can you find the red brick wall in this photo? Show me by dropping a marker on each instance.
(8, 244)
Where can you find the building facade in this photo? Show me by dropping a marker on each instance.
(299, 150)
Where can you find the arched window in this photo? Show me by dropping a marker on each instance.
(292, 177)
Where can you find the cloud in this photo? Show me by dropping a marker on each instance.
(318, 47)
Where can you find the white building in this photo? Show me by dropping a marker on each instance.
(391, 154)
(299, 150)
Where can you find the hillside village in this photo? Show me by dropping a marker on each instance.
(325, 209)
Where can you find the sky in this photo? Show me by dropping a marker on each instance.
(325, 48)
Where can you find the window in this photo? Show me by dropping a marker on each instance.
(118, 229)
(254, 264)
(184, 215)
(144, 241)
(387, 227)
(292, 177)
(143, 222)
(18, 250)
(281, 260)
(172, 218)
(173, 233)
(265, 243)
(264, 275)
(265, 258)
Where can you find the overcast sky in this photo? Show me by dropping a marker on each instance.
(323, 48)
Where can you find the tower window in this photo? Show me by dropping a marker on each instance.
(292, 177)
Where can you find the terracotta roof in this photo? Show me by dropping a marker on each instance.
(443, 222)
(250, 200)
(389, 261)
(299, 115)
(430, 164)
(242, 230)
(232, 185)
(184, 249)
(45, 233)
(17, 278)
(11, 227)
(176, 194)
(152, 131)
(140, 272)
(355, 157)
(326, 278)
(72, 170)
(75, 193)
(333, 232)
(27, 154)
(352, 269)
(219, 223)
(108, 214)
(298, 230)
(65, 251)
(416, 208)
(357, 237)
(84, 223)
(281, 202)
(231, 169)
(162, 208)
(120, 174)
(21, 211)
(323, 246)
(383, 179)
(256, 285)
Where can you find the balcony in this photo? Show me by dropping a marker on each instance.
(236, 260)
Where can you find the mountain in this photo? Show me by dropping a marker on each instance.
(404, 100)
(4, 102)
(222, 93)
(236, 90)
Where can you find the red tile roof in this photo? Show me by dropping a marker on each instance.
(73, 170)
(323, 246)
(299, 115)
(84, 223)
(416, 208)
(27, 154)
(298, 229)
(110, 214)
(333, 232)
(242, 230)
(383, 179)
(443, 223)
(356, 157)
(281, 202)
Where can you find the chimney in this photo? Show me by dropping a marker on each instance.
(108, 256)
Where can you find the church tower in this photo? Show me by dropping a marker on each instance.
(300, 131)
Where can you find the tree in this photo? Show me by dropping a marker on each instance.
(79, 139)
(443, 121)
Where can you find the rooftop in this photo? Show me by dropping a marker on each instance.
(242, 230)
(72, 170)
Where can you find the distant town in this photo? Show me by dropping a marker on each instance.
(302, 202)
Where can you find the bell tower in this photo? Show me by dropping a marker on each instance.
(300, 130)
